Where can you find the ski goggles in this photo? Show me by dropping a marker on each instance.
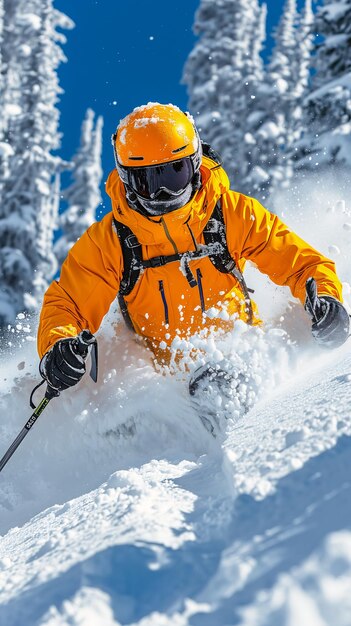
(172, 177)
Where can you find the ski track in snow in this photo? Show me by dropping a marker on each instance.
(119, 508)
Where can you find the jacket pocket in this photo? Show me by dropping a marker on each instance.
(163, 296)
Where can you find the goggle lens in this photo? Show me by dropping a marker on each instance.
(173, 177)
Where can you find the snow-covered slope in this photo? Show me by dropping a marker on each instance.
(186, 531)
(142, 518)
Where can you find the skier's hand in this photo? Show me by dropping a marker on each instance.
(330, 320)
(64, 364)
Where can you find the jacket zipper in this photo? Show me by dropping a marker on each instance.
(201, 291)
(165, 305)
(168, 235)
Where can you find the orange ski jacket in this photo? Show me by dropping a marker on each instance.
(162, 304)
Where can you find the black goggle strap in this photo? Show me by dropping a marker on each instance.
(121, 171)
(113, 141)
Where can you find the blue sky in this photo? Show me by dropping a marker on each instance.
(123, 54)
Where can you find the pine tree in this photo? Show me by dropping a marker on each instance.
(14, 49)
(83, 196)
(305, 41)
(258, 39)
(276, 124)
(303, 65)
(282, 82)
(327, 140)
(3, 148)
(283, 58)
(217, 74)
(1, 55)
(9, 91)
(28, 208)
(256, 105)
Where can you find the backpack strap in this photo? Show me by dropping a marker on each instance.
(132, 267)
(132, 257)
(212, 154)
(215, 232)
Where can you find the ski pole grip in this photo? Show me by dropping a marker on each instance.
(84, 340)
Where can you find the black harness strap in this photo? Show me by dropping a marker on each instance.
(132, 267)
(214, 233)
(132, 257)
(215, 248)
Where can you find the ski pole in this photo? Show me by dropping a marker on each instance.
(83, 341)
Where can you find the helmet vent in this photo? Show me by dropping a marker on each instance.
(180, 149)
(136, 158)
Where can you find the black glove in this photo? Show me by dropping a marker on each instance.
(330, 320)
(64, 365)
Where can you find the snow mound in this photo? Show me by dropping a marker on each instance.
(317, 593)
(208, 539)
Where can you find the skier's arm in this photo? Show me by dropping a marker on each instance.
(278, 252)
(88, 284)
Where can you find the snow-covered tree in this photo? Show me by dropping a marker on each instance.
(14, 48)
(258, 39)
(305, 41)
(3, 157)
(327, 140)
(9, 80)
(276, 132)
(83, 196)
(276, 123)
(1, 48)
(28, 208)
(305, 48)
(282, 65)
(218, 75)
(256, 107)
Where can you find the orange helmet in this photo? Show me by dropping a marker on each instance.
(158, 156)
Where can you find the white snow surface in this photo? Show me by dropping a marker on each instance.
(119, 508)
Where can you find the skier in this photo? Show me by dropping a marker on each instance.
(173, 246)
